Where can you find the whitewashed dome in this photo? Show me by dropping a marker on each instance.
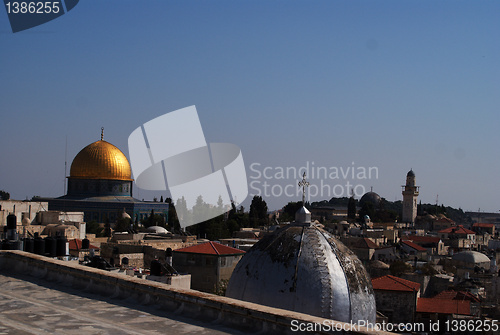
(157, 230)
(472, 257)
(305, 269)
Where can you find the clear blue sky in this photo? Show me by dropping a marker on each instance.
(387, 84)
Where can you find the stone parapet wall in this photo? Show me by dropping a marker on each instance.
(197, 305)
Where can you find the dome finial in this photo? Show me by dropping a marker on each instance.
(303, 183)
(102, 133)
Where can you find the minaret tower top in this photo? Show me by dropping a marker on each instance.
(410, 194)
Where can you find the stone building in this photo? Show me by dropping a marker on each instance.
(23, 210)
(32, 218)
(363, 247)
(396, 298)
(480, 228)
(442, 222)
(433, 244)
(458, 238)
(209, 264)
(100, 185)
(413, 249)
(441, 310)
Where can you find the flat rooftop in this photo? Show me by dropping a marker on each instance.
(29, 305)
(40, 295)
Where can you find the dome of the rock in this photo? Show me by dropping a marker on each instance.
(101, 160)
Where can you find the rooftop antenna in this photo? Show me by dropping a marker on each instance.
(65, 164)
(303, 183)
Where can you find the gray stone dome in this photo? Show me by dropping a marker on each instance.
(372, 197)
(472, 257)
(305, 269)
(410, 173)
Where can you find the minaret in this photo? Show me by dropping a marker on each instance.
(410, 194)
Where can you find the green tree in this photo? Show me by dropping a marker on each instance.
(428, 270)
(4, 195)
(397, 268)
(154, 220)
(351, 208)
(367, 209)
(258, 212)
(123, 225)
(288, 214)
(221, 287)
(173, 220)
(181, 210)
(92, 227)
(107, 228)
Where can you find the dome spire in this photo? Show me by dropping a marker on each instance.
(102, 133)
(303, 183)
(303, 216)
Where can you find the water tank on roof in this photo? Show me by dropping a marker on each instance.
(50, 247)
(16, 245)
(61, 246)
(155, 268)
(39, 245)
(4, 245)
(11, 245)
(29, 245)
(168, 256)
(85, 243)
(11, 221)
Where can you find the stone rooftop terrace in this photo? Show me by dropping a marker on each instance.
(40, 295)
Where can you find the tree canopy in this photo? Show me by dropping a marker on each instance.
(4, 195)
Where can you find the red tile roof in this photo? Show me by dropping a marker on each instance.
(443, 306)
(483, 225)
(392, 283)
(457, 295)
(413, 245)
(460, 230)
(76, 244)
(211, 248)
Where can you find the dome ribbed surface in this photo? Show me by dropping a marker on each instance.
(307, 270)
(471, 257)
(101, 160)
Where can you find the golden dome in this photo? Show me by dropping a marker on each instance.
(100, 160)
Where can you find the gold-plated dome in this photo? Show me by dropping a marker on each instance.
(100, 160)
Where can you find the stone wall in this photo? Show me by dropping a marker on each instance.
(232, 313)
(398, 306)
